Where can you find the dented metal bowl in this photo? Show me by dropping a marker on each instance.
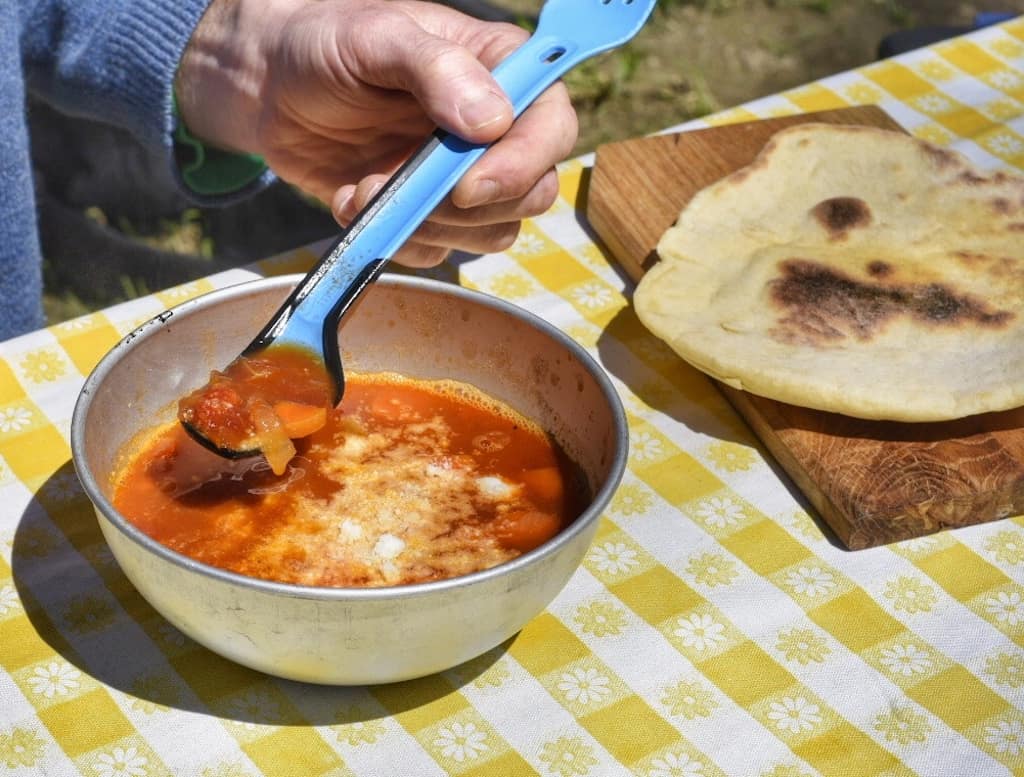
(349, 636)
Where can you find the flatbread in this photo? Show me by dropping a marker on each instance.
(854, 270)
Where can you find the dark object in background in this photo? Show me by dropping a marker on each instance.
(80, 164)
(483, 10)
(918, 37)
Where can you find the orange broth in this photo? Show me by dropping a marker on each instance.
(408, 481)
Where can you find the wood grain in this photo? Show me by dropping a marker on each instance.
(872, 482)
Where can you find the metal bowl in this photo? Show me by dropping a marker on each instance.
(348, 636)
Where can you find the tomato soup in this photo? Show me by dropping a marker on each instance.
(408, 481)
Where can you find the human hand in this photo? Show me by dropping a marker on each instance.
(336, 94)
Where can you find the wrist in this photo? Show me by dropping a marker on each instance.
(221, 79)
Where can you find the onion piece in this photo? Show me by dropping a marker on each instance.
(271, 437)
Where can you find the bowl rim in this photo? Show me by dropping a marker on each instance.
(351, 594)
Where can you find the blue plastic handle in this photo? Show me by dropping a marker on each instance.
(564, 37)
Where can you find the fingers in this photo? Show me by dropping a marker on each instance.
(485, 229)
(542, 136)
(349, 200)
(454, 87)
(418, 255)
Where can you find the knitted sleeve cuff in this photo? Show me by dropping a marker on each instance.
(213, 172)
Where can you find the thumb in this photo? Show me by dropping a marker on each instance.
(454, 88)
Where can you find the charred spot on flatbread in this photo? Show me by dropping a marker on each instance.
(1002, 206)
(880, 269)
(940, 157)
(819, 305)
(838, 215)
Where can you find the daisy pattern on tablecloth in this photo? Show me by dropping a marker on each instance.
(461, 741)
(63, 486)
(9, 600)
(255, 707)
(699, 631)
(121, 762)
(933, 133)
(676, 765)
(613, 558)
(37, 540)
(906, 660)
(932, 104)
(804, 646)
(1002, 143)
(1006, 669)
(568, 757)
(99, 555)
(794, 714)
(918, 546)
(903, 725)
(1005, 737)
(1002, 110)
(76, 324)
(719, 512)
(645, 446)
(1004, 79)
(690, 699)
(802, 523)
(180, 293)
(528, 244)
(631, 499)
(584, 333)
(910, 594)
(57, 678)
(15, 418)
(89, 613)
(154, 693)
(593, 295)
(512, 286)
(360, 732)
(584, 686)
(935, 69)
(21, 748)
(1007, 546)
(731, 456)
(1005, 607)
(43, 366)
(1007, 47)
(862, 93)
(712, 569)
(493, 676)
(600, 618)
(811, 581)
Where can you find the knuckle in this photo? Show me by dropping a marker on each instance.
(503, 236)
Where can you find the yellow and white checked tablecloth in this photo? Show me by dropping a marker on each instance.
(713, 629)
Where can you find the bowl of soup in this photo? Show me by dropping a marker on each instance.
(447, 500)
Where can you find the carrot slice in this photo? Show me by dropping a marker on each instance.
(525, 530)
(546, 484)
(299, 419)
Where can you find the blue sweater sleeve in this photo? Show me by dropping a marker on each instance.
(115, 61)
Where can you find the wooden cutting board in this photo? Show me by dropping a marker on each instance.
(873, 482)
